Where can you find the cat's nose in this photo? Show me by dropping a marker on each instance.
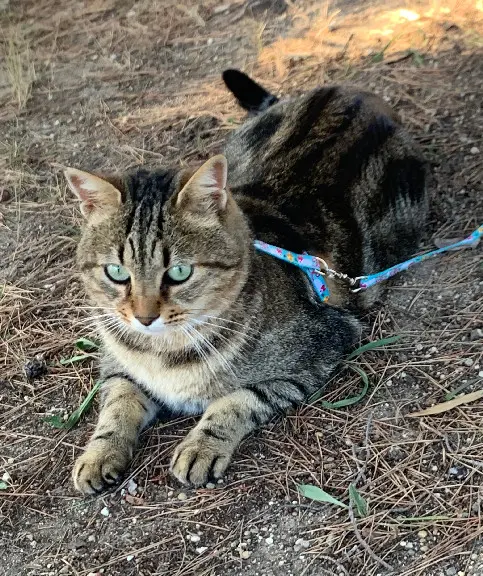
(146, 320)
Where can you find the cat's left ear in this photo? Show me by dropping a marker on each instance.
(205, 191)
(95, 194)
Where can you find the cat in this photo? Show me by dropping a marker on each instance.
(193, 319)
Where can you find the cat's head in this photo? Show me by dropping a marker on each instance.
(161, 250)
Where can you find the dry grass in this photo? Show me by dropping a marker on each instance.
(19, 66)
(119, 85)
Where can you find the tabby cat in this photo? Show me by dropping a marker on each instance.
(193, 319)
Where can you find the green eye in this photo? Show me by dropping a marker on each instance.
(178, 274)
(117, 273)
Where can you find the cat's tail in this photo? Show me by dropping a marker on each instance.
(250, 95)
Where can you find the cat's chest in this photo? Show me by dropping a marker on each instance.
(186, 388)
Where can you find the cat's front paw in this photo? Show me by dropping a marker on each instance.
(201, 458)
(99, 468)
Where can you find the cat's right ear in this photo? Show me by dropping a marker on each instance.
(95, 194)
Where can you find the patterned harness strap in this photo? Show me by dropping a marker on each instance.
(316, 268)
(311, 265)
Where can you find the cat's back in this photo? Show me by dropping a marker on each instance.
(328, 128)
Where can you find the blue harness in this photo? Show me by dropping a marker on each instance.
(316, 268)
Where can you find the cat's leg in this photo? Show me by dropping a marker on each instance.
(125, 411)
(208, 449)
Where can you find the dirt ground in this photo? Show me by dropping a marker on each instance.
(112, 84)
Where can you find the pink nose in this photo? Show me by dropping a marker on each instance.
(146, 320)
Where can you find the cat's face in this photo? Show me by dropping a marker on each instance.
(161, 255)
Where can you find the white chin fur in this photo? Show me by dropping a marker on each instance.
(157, 327)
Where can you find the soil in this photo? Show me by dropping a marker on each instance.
(112, 84)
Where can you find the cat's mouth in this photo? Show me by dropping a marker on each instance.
(151, 327)
(159, 326)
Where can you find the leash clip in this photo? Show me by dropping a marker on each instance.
(331, 273)
(323, 266)
(357, 280)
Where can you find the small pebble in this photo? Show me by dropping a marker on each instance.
(182, 496)
(6, 477)
(132, 487)
(476, 334)
(301, 543)
(245, 554)
(422, 534)
(480, 373)
(194, 538)
(4, 195)
(91, 538)
(467, 362)
(459, 472)
(210, 486)
(269, 541)
(201, 549)
(130, 557)
(474, 150)
(105, 511)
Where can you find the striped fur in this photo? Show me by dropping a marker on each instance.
(243, 339)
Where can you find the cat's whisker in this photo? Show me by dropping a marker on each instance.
(97, 317)
(193, 312)
(199, 349)
(120, 330)
(92, 318)
(241, 354)
(215, 351)
(231, 330)
(94, 307)
(96, 323)
(221, 319)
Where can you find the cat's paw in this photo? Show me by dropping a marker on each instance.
(99, 468)
(200, 458)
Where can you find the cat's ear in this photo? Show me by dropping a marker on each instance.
(95, 194)
(205, 192)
